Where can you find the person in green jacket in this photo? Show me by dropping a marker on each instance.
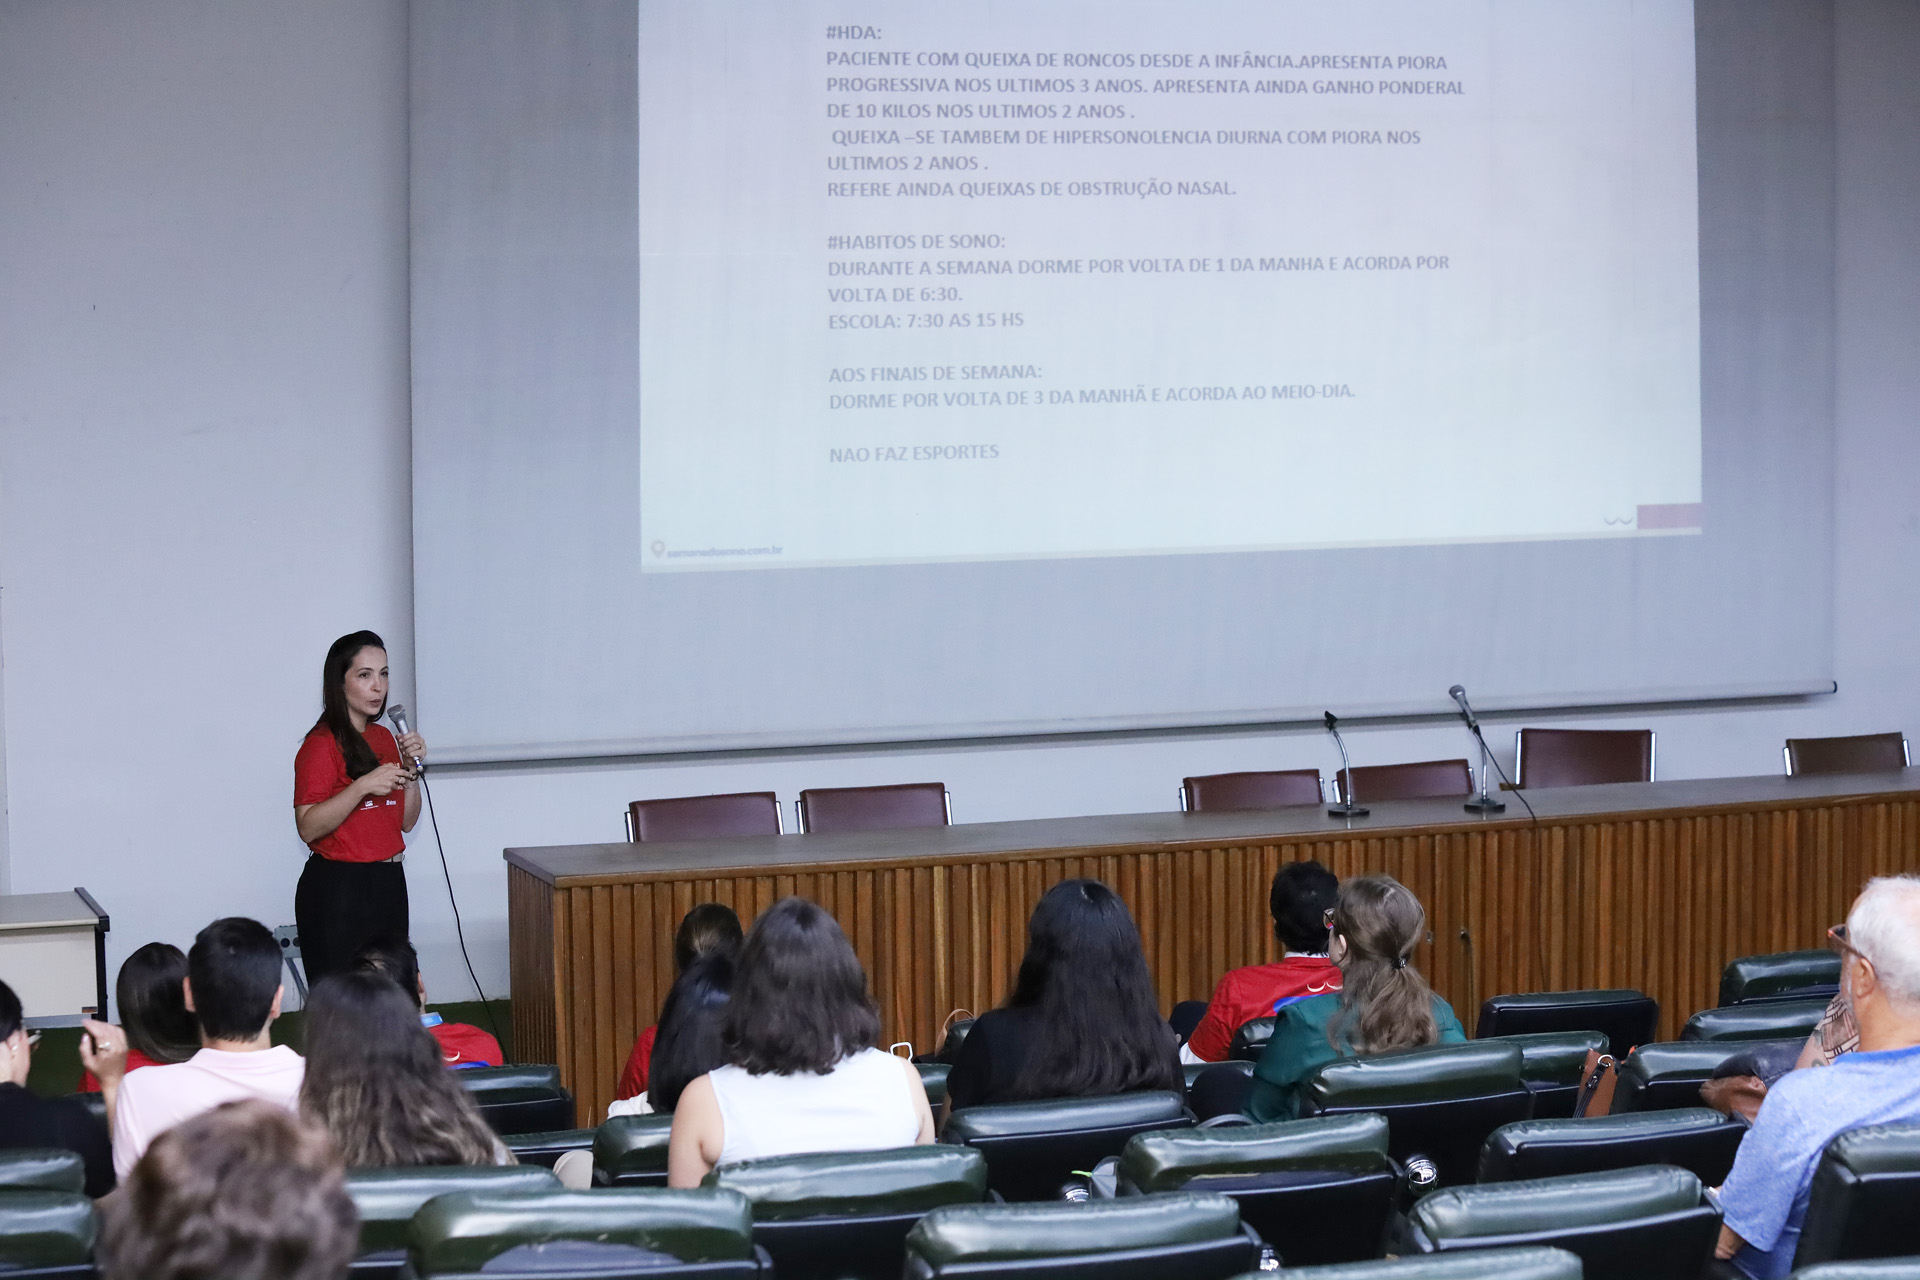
(1383, 1002)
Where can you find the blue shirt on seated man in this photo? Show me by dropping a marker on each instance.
(1764, 1200)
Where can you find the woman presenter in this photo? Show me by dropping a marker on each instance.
(354, 794)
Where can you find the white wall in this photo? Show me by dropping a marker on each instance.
(203, 465)
(203, 429)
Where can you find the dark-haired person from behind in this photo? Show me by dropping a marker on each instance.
(1383, 1002)
(802, 1072)
(461, 1045)
(150, 995)
(1301, 895)
(707, 928)
(1082, 1021)
(247, 1191)
(375, 1081)
(691, 1024)
(688, 1047)
(28, 1120)
(233, 989)
(355, 795)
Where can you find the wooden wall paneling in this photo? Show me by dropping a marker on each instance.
(565, 985)
(530, 959)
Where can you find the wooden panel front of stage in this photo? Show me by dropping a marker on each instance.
(1647, 885)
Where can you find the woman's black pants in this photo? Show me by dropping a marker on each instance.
(340, 907)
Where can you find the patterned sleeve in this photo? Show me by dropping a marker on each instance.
(1837, 1031)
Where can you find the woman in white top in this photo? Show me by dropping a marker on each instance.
(803, 1074)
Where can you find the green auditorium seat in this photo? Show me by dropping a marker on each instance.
(631, 1151)
(825, 1217)
(1250, 1040)
(1550, 1064)
(547, 1147)
(1669, 1073)
(1317, 1190)
(45, 1233)
(1870, 1269)
(1192, 1069)
(1626, 1017)
(1864, 1193)
(1481, 1264)
(1784, 975)
(42, 1169)
(615, 1234)
(1648, 1223)
(387, 1199)
(1033, 1148)
(1440, 1102)
(1178, 1234)
(933, 1078)
(1697, 1139)
(522, 1098)
(1759, 1020)
(956, 1035)
(95, 1102)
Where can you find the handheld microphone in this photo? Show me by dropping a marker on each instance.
(397, 712)
(1482, 803)
(1346, 809)
(1459, 694)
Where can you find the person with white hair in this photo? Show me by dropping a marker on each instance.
(1764, 1199)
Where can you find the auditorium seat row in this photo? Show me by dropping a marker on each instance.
(1194, 1202)
(1543, 758)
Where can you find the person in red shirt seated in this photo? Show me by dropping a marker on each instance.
(153, 1010)
(1303, 893)
(460, 1044)
(708, 927)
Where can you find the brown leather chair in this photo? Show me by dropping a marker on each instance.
(1862, 753)
(1581, 757)
(1421, 780)
(742, 813)
(909, 804)
(1274, 790)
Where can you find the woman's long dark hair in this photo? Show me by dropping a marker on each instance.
(687, 1045)
(376, 1081)
(800, 999)
(333, 701)
(1098, 1029)
(153, 1003)
(1384, 1002)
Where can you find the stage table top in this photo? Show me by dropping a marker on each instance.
(623, 862)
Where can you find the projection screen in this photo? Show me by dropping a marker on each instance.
(793, 373)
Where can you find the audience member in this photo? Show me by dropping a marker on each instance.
(687, 1047)
(461, 1045)
(691, 1022)
(150, 994)
(375, 1081)
(707, 928)
(1383, 1003)
(233, 989)
(1764, 1200)
(802, 1071)
(245, 1191)
(28, 1120)
(1302, 892)
(1082, 1020)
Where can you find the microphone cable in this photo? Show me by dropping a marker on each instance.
(459, 930)
(1540, 938)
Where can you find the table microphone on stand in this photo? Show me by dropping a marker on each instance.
(1482, 803)
(1347, 808)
